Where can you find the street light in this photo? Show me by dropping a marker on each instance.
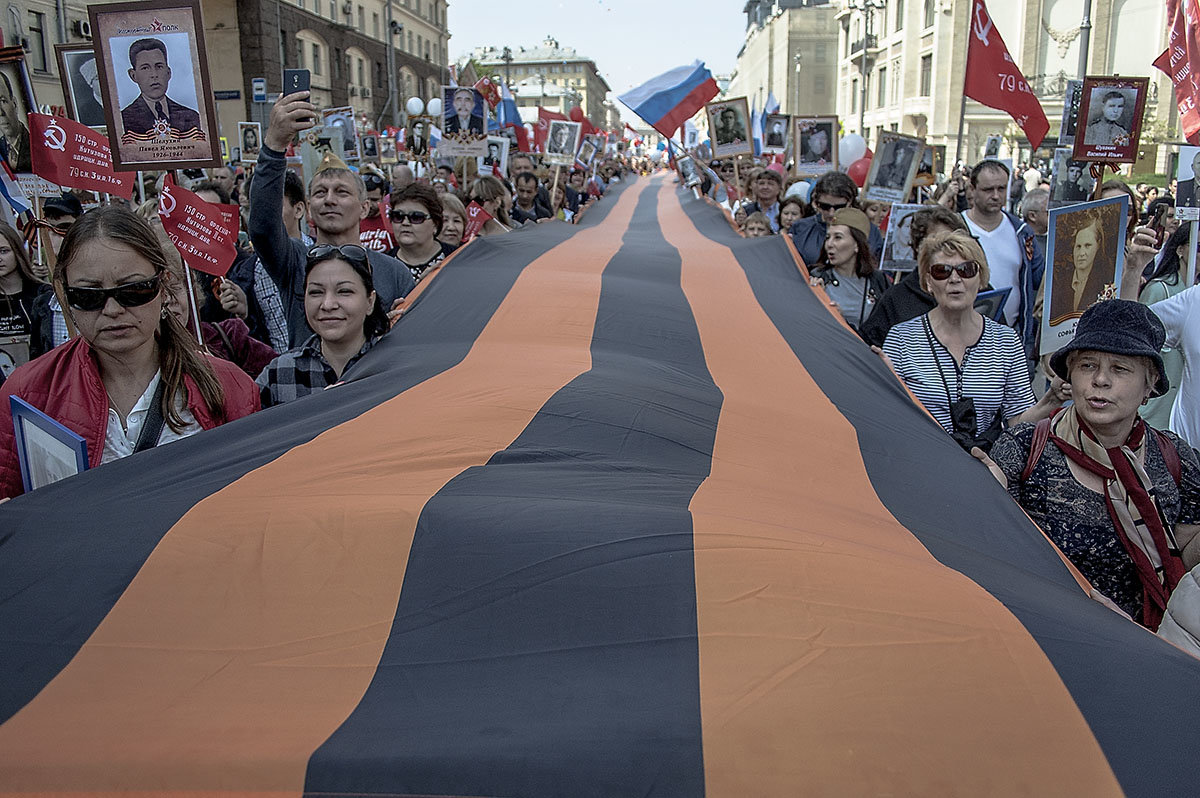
(507, 58)
(867, 9)
(798, 58)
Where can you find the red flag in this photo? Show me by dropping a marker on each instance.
(477, 217)
(542, 131)
(73, 155)
(205, 234)
(1181, 62)
(522, 137)
(994, 79)
(489, 90)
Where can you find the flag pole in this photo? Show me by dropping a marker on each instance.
(962, 118)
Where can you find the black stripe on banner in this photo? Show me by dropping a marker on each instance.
(69, 550)
(545, 638)
(1128, 684)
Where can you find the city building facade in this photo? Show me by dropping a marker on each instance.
(550, 76)
(790, 53)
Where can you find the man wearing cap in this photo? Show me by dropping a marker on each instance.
(464, 119)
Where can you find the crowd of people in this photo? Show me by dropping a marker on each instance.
(1095, 441)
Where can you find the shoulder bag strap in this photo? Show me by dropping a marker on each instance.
(1170, 456)
(153, 424)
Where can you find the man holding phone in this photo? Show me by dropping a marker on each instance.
(337, 203)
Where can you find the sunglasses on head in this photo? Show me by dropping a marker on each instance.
(413, 217)
(825, 206)
(966, 270)
(352, 253)
(130, 295)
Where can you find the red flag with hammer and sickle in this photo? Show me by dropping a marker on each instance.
(994, 79)
(73, 155)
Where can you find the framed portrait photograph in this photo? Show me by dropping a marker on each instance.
(562, 142)
(1085, 254)
(464, 122)
(815, 144)
(926, 175)
(689, 175)
(158, 100)
(898, 254)
(588, 150)
(775, 139)
(369, 147)
(1070, 114)
(991, 149)
(1071, 181)
(16, 101)
(1187, 203)
(496, 157)
(729, 127)
(1110, 119)
(894, 167)
(250, 138)
(46, 450)
(80, 76)
(387, 149)
(316, 144)
(416, 136)
(341, 119)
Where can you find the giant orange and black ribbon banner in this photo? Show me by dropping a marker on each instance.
(616, 509)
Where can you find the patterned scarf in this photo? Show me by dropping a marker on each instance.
(1132, 506)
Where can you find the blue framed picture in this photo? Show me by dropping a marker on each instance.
(47, 450)
(991, 303)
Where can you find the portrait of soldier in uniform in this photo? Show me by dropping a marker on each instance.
(153, 113)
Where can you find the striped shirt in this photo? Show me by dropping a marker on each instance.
(993, 371)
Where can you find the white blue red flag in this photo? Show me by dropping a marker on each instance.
(667, 100)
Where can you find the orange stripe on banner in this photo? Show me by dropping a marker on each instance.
(255, 627)
(837, 656)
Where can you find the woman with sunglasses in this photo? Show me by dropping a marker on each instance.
(341, 306)
(416, 217)
(968, 371)
(133, 378)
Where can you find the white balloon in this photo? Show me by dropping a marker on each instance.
(656, 156)
(414, 106)
(435, 107)
(851, 148)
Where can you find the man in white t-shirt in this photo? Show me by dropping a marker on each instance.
(1015, 259)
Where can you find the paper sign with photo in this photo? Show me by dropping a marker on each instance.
(1110, 119)
(563, 142)
(496, 160)
(775, 139)
(16, 103)
(315, 144)
(80, 78)
(250, 136)
(1071, 181)
(893, 167)
(1085, 256)
(46, 450)
(342, 120)
(464, 123)
(898, 253)
(815, 145)
(1070, 114)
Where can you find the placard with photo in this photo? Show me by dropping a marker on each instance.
(1071, 181)
(562, 142)
(250, 136)
(591, 147)
(689, 175)
(992, 148)
(925, 169)
(315, 144)
(1187, 203)
(898, 254)
(729, 127)
(158, 100)
(1085, 255)
(1110, 119)
(46, 450)
(387, 149)
(894, 167)
(341, 119)
(369, 147)
(80, 76)
(16, 102)
(815, 145)
(1070, 114)
(496, 157)
(464, 123)
(775, 138)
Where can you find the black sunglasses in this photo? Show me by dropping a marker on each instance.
(352, 253)
(373, 182)
(966, 270)
(413, 217)
(130, 295)
(825, 206)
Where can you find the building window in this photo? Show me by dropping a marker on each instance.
(362, 79)
(410, 42)
(37, 41)
(301, 4)
(819, 53)
(375, 25)
(854, 96)
(882, 100)
(926, 75)
(899, 15)
(929, 13)
(420, 45)
(362, 20)
(333, 10)
(316, 59)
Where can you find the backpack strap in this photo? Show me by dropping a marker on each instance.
(1041, 434)
(1170, 456)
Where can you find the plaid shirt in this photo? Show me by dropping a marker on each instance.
(274, 316)
(300, 372)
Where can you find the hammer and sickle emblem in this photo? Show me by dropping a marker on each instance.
(56, 137)
(166, 202)
(983, 24)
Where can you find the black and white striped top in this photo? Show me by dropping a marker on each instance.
(993, 372)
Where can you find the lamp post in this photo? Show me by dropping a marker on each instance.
(867, 8)
(1085, 34)
(394, 29)
(507, 58)
(798, 58)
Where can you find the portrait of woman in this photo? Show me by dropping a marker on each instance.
(1084, 261)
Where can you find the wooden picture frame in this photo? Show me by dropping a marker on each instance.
(79, 74)
(729, 127)
(807, 132)
(894, 167)
(562, 142)
(161, 115)
(14, 122)
(775, 133)
(1101, 136)
(249, 141)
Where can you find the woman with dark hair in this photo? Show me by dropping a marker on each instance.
(133, 378)
(416, 215)
(19, 290)
(791, 210)
(847, 266)
(341, 306)
(489, 192)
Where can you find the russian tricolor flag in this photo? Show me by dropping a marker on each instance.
(667, 100)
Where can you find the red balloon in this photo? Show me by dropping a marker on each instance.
(858, 171)
(576, 114)
(868, 154)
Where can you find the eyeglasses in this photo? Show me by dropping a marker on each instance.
(373, 182)
(352, 253)
(413, 217)
(966, 270)
(825, 206)
(130, 295)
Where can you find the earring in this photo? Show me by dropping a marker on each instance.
(164, 312)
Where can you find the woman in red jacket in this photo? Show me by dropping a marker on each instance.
(133, 378)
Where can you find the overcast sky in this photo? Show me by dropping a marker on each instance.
(629, 41)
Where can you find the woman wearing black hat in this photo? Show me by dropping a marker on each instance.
(1120, 498)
